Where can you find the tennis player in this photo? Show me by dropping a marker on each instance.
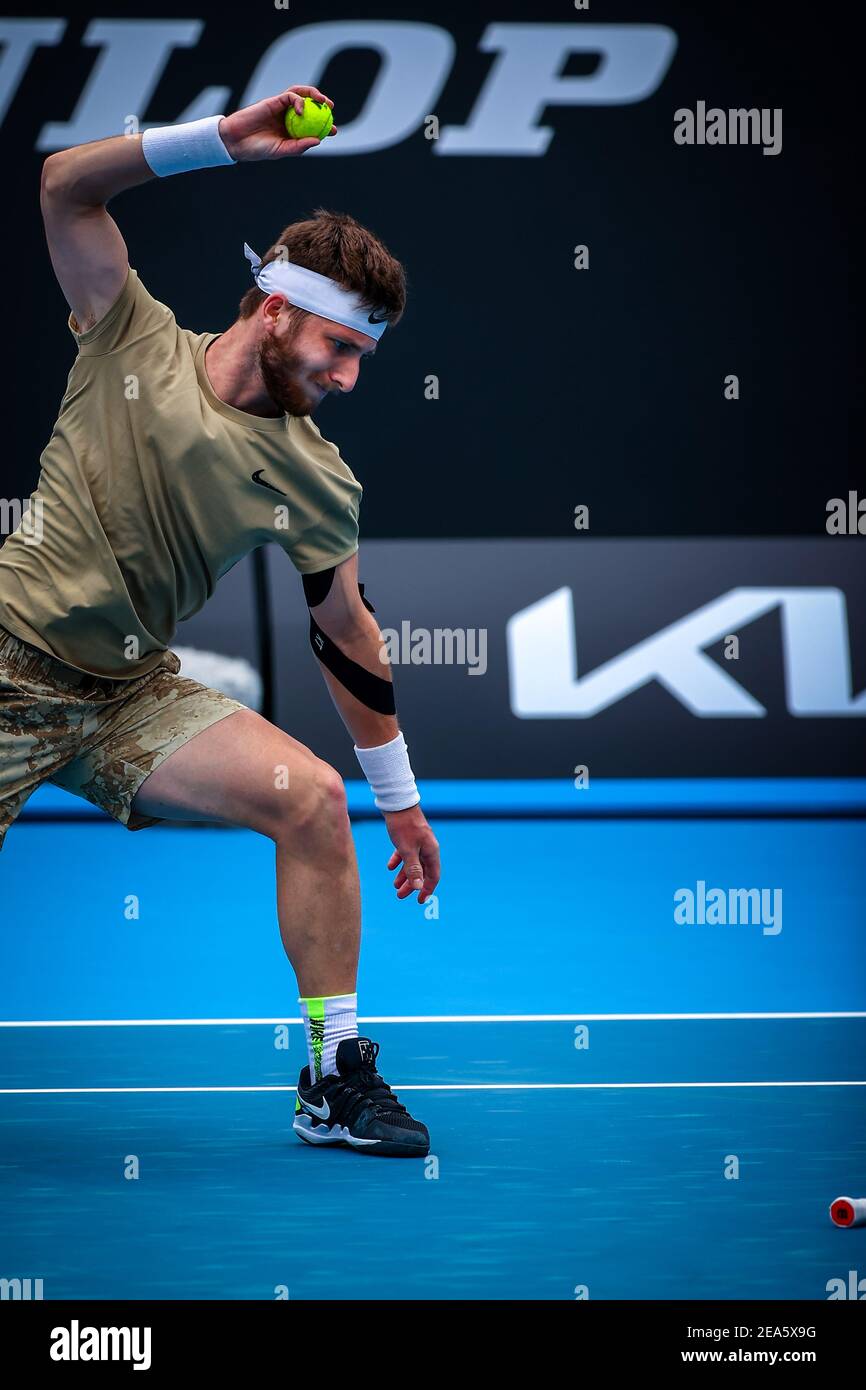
(175, 454)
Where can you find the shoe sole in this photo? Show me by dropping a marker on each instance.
(338, 1136)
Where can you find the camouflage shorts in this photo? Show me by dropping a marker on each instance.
(95, 737)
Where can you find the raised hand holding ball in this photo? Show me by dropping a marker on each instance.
(315, 121)
(271, 128)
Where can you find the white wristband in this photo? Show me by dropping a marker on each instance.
(387, 770)
(175, 149)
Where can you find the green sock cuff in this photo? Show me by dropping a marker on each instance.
(316, 1024)
(322, 999)
(315, 1007)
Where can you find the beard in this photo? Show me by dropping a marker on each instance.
(283, 371)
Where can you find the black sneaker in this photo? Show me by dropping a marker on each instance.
(357, 1107)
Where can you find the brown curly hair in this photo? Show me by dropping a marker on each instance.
(336, 245)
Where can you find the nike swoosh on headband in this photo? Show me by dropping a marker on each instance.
(316, 293)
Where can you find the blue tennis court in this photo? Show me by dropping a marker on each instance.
(509, 459)
(621, 1104)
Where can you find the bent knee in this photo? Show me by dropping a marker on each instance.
(315, 807)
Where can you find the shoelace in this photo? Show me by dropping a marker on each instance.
(366, 1087)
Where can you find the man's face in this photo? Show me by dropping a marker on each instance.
(303, 361)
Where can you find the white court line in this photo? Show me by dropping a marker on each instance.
(447, 1086)
(412, 1018)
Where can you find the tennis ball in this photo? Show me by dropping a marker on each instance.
(316, 120)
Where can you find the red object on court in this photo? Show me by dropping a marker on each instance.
(848, 1211)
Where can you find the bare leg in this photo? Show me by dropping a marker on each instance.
(244, 771)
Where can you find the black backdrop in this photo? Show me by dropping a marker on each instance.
(557, 387)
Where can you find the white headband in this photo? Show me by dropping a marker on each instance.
(316, 293)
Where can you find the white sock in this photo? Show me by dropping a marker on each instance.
(327, 1021)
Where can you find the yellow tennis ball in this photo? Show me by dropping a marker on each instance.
(316, 120)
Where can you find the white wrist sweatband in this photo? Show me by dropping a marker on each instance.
(175, 149)
(387, 770)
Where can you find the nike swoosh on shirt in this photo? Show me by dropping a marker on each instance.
(322, 1111)
(262, 482)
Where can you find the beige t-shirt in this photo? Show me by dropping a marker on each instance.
(151, 489)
